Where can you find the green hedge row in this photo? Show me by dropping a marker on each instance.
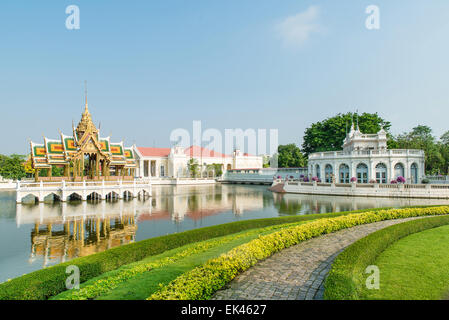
(201, 282)
(45, 283)
(346, 277)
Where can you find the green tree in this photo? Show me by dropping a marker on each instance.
(193, 167)
(12, 167)
(328, 135)
(421, 138)
(290, 156)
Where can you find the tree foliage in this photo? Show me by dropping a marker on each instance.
(328, 135)
(290, 156)
(12, 167)
(436, 152)
(193, 167)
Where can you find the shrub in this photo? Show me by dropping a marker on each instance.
(346, 277)
(353, 179)
(372, 181)
(315, 179)
(394, 182)
(425, 181)
(203, 281)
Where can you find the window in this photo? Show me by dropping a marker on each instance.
(414, 172)
(162, 171)
(318, 173)
(362, 173)
(398, 170)
(328, 173)
(344, 173)
(381, 173)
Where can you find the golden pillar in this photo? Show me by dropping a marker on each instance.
(82, 165)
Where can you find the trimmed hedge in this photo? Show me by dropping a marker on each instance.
(346, 277)
(203, 281)
(48, 282)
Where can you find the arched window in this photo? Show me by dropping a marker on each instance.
(344, 173)
(318, 173)
(328, 173)
(381, 173)
(414, 172)
(399, 170)
(362, 173)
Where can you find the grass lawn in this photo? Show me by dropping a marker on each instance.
(415, 267)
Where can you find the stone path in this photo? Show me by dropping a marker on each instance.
(298, 272)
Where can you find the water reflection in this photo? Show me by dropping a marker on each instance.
(79, 237)
(62, 231)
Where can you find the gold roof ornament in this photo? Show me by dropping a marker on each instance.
(86, 124)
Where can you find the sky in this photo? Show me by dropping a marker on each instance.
(154, 66)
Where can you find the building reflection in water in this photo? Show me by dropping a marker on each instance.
(66, 231)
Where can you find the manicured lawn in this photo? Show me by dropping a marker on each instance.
(415, 267)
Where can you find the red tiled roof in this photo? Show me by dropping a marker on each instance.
(154, 152)
(192, 151)
(196, 151)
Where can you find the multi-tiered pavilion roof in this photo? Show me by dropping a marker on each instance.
(85, 153)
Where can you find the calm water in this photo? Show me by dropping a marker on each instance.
(35, 236)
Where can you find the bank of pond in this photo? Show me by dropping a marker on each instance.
(196, 263)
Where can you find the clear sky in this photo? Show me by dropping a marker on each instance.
(153, 66)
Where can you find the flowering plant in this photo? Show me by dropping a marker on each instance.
(400, 179)
(353, 179)
(315, 179)
(394, 182)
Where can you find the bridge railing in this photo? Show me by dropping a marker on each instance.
(79, 184)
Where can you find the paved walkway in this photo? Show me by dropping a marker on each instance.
(298, 272)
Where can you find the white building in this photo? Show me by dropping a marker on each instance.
(366, 157)
(172, 162)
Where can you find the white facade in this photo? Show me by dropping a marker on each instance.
(366, 158)
(172, 162)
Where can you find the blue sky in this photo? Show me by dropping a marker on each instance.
(153, 66)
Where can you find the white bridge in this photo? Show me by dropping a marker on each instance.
(83, 190)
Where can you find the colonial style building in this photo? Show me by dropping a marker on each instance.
(365, 157)
(173, 162)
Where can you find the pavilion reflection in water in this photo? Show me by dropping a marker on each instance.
(63, 232)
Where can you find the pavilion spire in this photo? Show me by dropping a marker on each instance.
(86, 109)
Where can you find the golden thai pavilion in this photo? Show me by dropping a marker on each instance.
(84, 155)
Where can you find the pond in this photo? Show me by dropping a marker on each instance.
(40, 235)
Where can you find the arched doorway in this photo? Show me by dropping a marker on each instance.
(381, 173)
(344, 173)
(328, 173)
(362, 173)
(414, 173)
(399, 170)
(317, 170)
